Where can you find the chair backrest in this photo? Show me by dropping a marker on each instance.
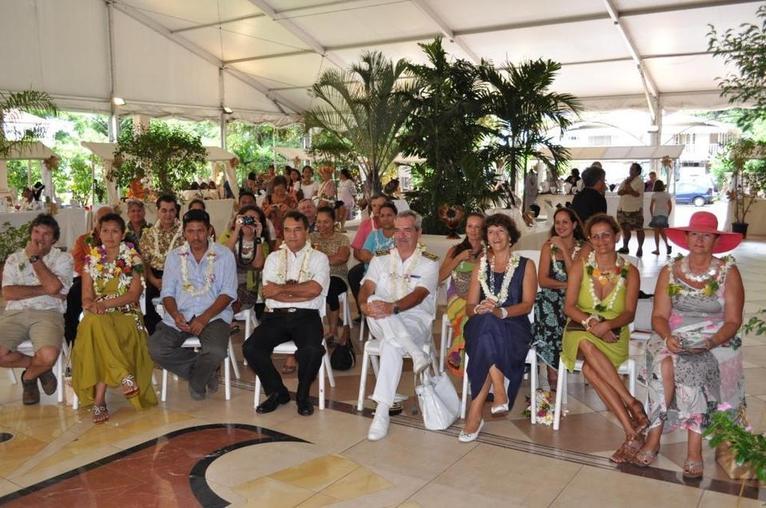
(633, 260)
(534, 255)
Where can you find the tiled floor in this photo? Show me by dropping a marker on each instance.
(217, 452)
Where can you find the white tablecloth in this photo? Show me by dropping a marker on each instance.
(72, 221)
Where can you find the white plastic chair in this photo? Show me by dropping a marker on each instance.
(251, 323)
(531, 360)
(194, 343)
(628, 368)
(325, 369)
(28, 349)
(371, 355)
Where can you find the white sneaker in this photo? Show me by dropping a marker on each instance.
(466, 437)
(379, 425)
(420, 362)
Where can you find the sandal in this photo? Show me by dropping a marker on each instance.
(100, 414)
(644, 458)
(693, 469)
(640, 418)
(129, 386)
(629, 448)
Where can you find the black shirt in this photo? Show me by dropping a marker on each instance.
(588, 202)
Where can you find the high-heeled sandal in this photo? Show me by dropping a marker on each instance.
(693, 469)
(100, 414)
(629, 448)
(639, 417)
(645, 458)
(129, 386)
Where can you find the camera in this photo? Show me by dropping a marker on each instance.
(246, 220)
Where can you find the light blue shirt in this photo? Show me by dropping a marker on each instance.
(377, 241)
(224, 283)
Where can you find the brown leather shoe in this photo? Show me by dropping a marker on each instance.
(31, 391)
(48, 381)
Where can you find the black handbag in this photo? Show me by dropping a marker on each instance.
(343, 357)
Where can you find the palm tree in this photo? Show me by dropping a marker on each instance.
(30, 101)
(519, 97)
(362, 107)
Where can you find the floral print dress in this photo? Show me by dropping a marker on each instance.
(705, 380)
(548, 328)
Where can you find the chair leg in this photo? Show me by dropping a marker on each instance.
(12, 375)
(164, 392)
(60, 377)
(533, 389)
(257, 392)
(464, 399)
(328, 369)
(234, 365)
(362, 381)
(227, 376)
(321, 385)
(632, 377)
(361, 330)
(375, 365)
(75, 402)
(561, 386)
(443, 344)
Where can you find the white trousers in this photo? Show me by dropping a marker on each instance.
(399, 334)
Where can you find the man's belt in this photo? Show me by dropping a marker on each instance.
(289, 310)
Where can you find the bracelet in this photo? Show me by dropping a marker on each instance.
(503, 312)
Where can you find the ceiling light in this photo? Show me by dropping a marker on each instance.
(118, 101)
(227, 110)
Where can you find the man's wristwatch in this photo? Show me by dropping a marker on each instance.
(34, 259)
(396, 309)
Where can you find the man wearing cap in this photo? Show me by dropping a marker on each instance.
(199, 283)
(296, 278)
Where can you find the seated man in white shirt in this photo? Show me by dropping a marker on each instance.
(36, 281)
(199, 283)
(295, 278)
(398, 296)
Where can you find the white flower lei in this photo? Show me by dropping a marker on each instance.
(591, 265)
(484, 278)
(183, 253)
(303, 274)
(401, 281)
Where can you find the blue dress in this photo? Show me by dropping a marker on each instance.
(500, 342)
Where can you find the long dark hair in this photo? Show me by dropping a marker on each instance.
(577, 234)
(465, 244)
(265, 235)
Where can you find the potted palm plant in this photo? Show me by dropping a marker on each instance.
(747, 186)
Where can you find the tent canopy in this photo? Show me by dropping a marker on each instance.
(105, 151)
(629, 153)
(259, 57)
(29, 151)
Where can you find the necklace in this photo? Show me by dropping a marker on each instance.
(485, 278)
(591, 269)
(697, 277)
(303, 273)
(186, 284)
(123, 267)
(402, 280)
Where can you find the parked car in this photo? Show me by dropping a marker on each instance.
(694, 193)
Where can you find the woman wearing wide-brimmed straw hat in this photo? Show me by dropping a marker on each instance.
(694, 357)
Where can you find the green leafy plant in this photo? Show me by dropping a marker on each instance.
(449, 131)
(749, 184)
(12, 239)
(363, 108)
(748, 448)
(519, 97)
(11, 103)
(745, 52)
(756, 324)
(169, 156)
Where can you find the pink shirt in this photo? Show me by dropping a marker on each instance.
(365, 228)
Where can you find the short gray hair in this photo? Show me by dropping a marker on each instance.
(411, 214)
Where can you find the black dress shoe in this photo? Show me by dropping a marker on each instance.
(305, 408)
(273, 402)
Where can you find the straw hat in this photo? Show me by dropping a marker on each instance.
(704, 222)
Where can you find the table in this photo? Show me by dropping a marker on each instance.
(73, 222)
